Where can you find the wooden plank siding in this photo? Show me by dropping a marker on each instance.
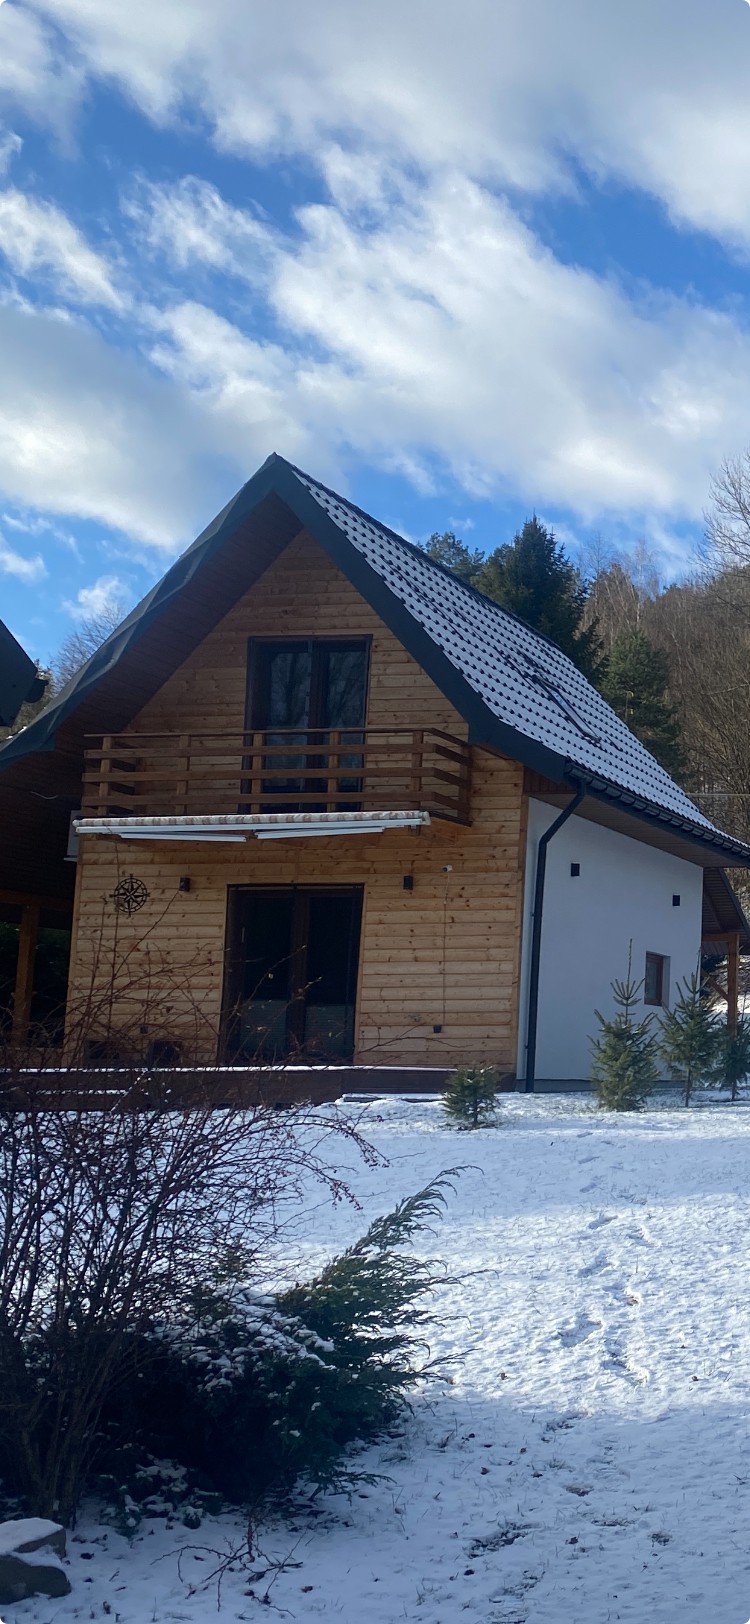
(444, 954)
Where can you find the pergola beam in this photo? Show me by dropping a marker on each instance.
(23, 899)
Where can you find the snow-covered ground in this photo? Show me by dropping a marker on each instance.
(590, 1461)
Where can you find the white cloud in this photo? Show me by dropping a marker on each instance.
(654, 95)
(193, 224)
(86, 429)
(435, 336)
(10, 146)
(102, 597)
(23, 569)
(37, 237)
(37, 75)
(447, 337)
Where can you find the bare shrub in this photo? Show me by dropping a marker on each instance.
(110, 1221)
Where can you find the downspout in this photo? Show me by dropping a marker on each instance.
(536, 936)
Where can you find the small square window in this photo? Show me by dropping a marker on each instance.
(575, 869)
(654, 979)
(675, 901)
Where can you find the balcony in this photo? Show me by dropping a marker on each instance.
(137, 775)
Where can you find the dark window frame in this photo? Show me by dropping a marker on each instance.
(659, 963)
(255, 695)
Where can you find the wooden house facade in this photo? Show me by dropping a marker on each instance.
(332, 807)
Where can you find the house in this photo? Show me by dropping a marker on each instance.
(19, 678)
(333, 806)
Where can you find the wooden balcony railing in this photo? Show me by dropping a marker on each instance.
(319, 770)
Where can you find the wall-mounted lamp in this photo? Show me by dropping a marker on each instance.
(184, 882)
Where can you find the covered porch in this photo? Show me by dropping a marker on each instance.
(725, 938)
(37, 798)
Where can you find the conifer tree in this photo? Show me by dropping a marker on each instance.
(532, 577)
(689, 1036)
(624, 1070)
(450, 550)
(469, 1096)
(732, 1061)
(635, 683)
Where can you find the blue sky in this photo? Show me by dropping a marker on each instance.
(461, 262)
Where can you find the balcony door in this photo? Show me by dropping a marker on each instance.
(308, 698)
(291, 977)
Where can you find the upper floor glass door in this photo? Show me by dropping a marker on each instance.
(308, 695)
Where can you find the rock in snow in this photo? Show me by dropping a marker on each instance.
(30, 1551)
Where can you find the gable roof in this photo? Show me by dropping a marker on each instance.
(518, 692)
(18, 677)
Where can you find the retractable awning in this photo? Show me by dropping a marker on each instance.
(252, 826)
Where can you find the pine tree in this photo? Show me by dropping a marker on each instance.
(732, 1061)
(624, 1070)
(635, 683)
(532, 577)
(689, 1036)
(450, 550)
(469, 1096)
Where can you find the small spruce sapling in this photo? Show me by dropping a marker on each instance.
(690, 1036)
(469, 1096)
(732, 1060)
(624, 1070)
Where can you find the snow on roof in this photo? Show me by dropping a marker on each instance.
(524, 679)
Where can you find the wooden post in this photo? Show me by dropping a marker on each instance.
(733, 965)
(417, 770)
(25, 972)
(333, 768)
(182, 784)
(105, 770)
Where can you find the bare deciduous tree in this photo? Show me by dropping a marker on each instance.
(85, 638)
(727, 519)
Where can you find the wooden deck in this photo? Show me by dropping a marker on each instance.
(100, 1088)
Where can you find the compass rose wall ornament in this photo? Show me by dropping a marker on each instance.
(129, 895)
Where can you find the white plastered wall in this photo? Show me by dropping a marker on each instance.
(623, 893)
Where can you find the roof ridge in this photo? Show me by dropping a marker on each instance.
(421, 553)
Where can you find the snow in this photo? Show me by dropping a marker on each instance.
(39, 1559)
(22, 1530)
(590, 1460)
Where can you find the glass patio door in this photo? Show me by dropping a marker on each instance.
(292, 973)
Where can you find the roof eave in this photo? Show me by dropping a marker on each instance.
(734, 853)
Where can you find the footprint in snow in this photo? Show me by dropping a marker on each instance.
(597, 1264)
(582, 1328)
(603, 1219)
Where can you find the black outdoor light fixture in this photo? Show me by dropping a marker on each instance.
(184, 882)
